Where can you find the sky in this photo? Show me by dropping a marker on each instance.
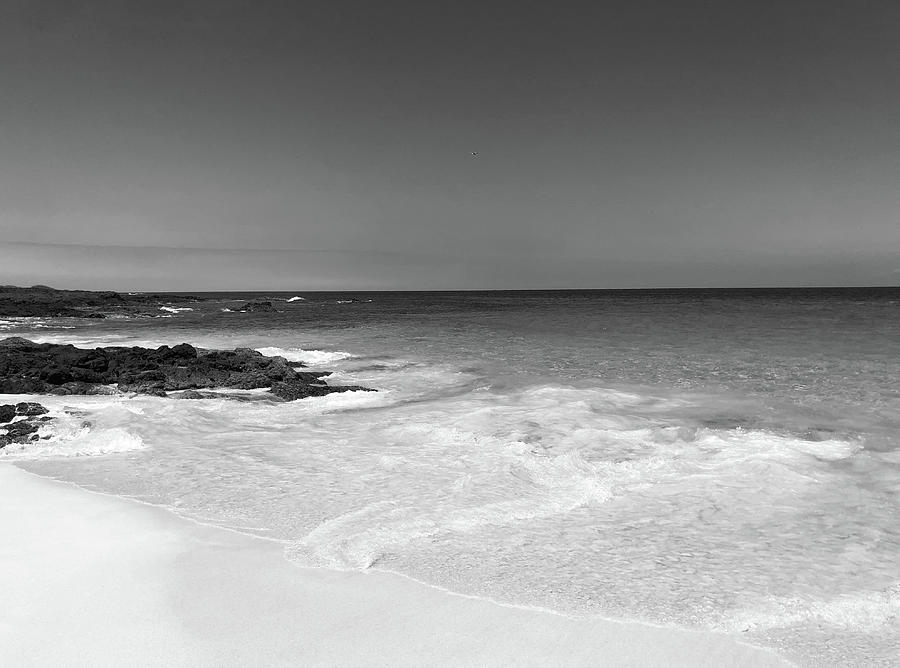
(329, 145)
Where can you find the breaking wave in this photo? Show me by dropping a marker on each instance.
(308, 357)
(81, 440)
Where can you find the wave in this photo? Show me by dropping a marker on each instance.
(309, 357)
(174, 309)
(492, 460)
(71, 436)
(31, 323)
(296, 299)
(357, 539)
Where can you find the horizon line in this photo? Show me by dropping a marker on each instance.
(619, 289)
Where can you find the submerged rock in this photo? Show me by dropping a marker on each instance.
(190, 394)
(257, 305)
(47, 368)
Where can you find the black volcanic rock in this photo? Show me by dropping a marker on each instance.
(81, 387)
(21, 431)
(22, 386)
(17, 342)
(17, 430)
(291, 390)
(47, 368)
(30, 408)
(190, 394)
(7, 413)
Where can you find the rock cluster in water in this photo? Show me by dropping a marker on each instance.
(254, 306)
(13, 430)
(46, 368)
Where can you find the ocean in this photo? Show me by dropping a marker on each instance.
(709, 459)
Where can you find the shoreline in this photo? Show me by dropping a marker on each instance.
(186, 593)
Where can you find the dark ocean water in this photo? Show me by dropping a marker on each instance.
(716, 459)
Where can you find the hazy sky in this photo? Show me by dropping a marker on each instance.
(328, 145)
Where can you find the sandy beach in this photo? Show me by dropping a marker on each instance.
(94, 580)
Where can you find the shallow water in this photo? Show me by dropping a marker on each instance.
(714, 459)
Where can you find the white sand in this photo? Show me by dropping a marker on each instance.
(93, 580)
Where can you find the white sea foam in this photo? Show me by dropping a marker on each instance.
(82, 426)
(310, 357)
(89, 339)
(863, 611)
(174, 309)
(78, 442)
(358, 538)
(295, 299)
(31, 323)
(487, 460)
(829, 450)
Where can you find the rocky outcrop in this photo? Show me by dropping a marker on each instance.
(46, 368)
(13, 430)
(43, 301)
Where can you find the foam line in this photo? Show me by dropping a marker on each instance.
(152, 589)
